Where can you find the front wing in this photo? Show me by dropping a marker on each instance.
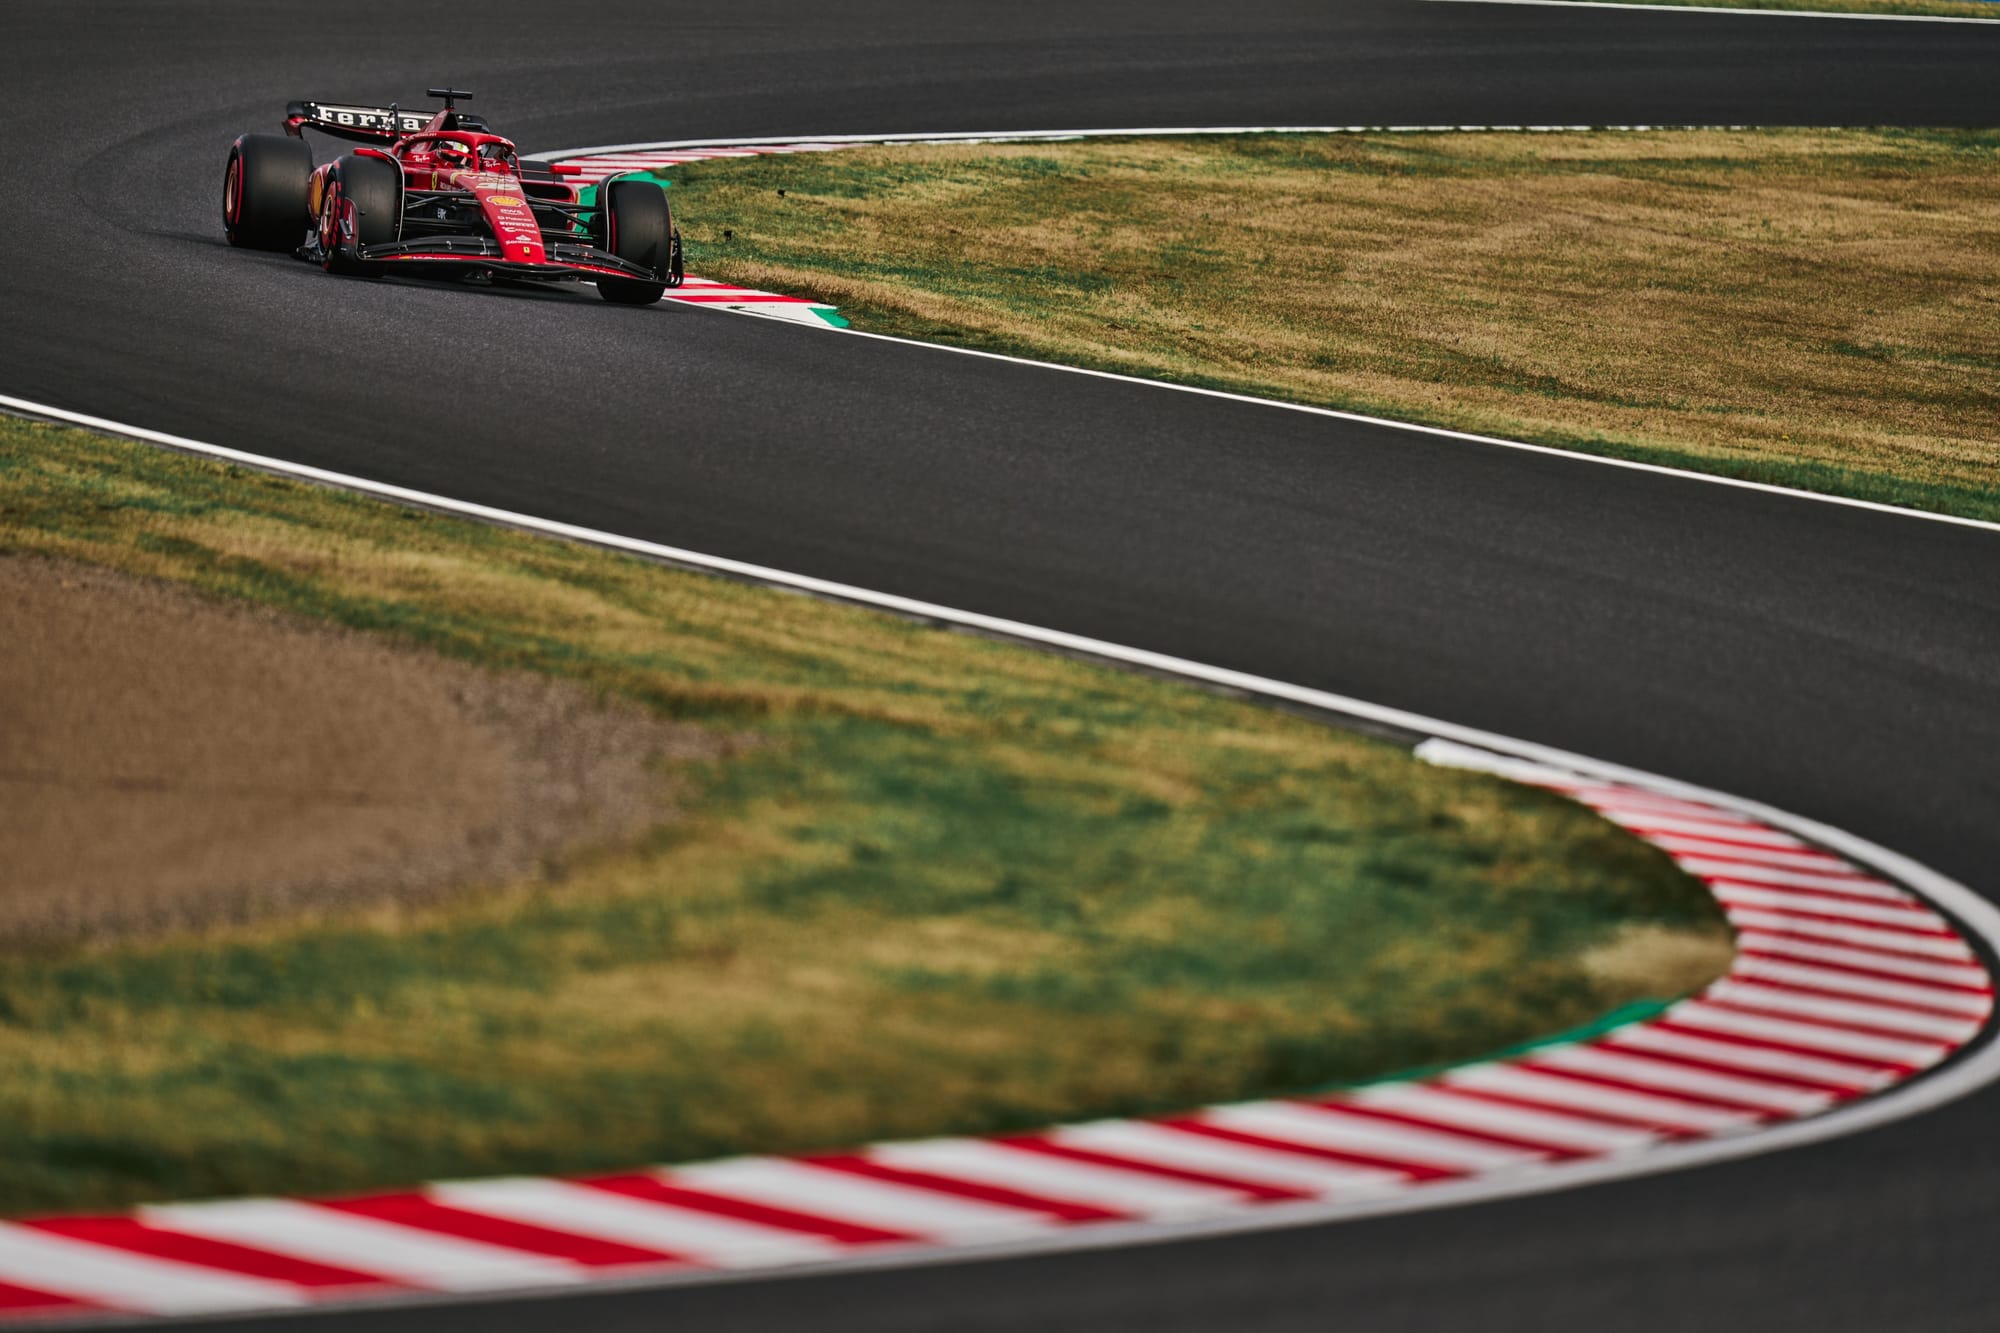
(569, 260)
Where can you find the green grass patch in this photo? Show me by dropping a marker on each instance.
(942, 885)
(1810, 308)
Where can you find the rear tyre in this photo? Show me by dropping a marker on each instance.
(264, 192)
(633, 222)
(363, 205)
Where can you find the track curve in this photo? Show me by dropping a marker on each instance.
(1837, 663)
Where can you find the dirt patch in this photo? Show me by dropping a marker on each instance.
(1652, 960)
(945, 885)
(169, 761)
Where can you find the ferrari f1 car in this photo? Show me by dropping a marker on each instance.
(442, 195)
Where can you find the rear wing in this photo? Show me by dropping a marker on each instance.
(364, 124)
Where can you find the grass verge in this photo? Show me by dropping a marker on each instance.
(942, 885)
(1810, 308)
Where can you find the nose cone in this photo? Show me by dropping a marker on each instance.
(513, 223)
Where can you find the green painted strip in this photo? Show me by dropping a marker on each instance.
(1638, 1011)
(587, 195)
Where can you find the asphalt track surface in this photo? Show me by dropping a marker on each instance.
(1841, 664)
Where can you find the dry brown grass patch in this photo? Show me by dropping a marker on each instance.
(1824, 301)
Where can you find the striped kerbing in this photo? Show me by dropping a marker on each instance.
(598, 168)
(1844, 985)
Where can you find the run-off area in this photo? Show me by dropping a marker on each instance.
(1563, 286)
(870, 880)
(1844, 985)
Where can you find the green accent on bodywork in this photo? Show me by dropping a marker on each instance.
(1638, 1011)
(587, 196)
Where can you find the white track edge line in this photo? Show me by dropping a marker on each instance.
(1441, 432)
(1147, 659)
(1336, 414)
(1726, 9)
(1044, 136)
(1976, 1067)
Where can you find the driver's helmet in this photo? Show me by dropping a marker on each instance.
(450, 153)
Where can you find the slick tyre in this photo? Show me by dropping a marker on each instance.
(363, 205)
(264, 192)
(635, 225)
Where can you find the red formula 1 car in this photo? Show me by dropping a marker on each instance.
(441, 195)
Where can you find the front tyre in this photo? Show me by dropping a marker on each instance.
(362, 205)
(633, 222)
(264, 192)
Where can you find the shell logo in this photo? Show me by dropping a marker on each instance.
(503, 201)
